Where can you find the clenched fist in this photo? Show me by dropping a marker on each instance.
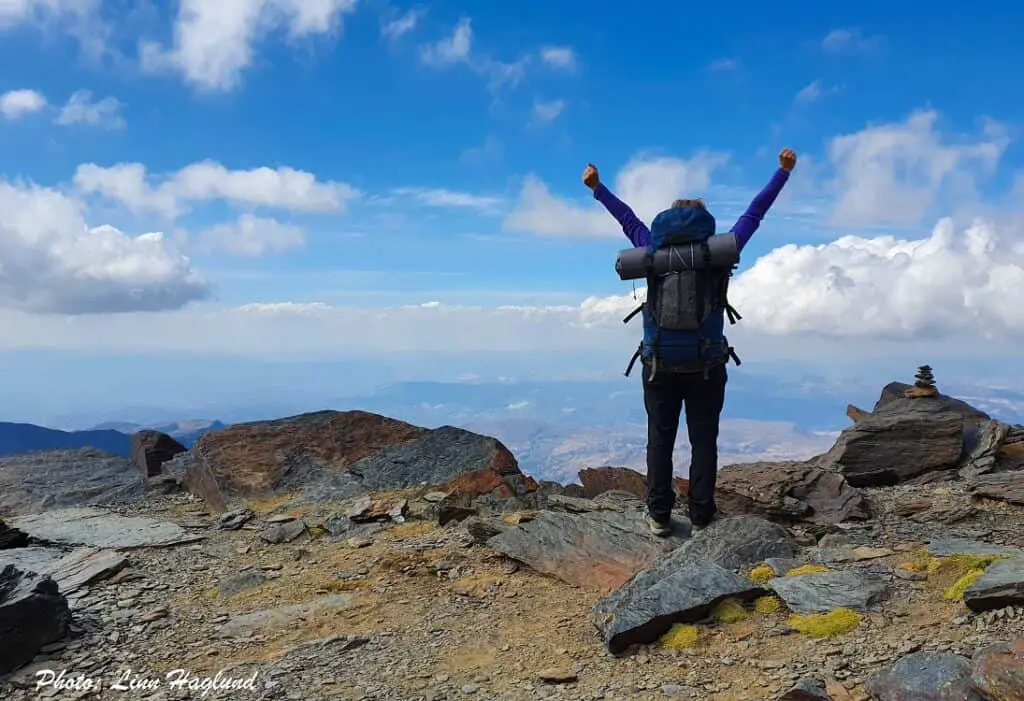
(787, 159)
(590, 176)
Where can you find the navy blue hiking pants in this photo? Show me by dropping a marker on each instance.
(665, 398)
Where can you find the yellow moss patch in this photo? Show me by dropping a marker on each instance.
(761, 574)
(826, 625)
(806, 569)
(961, 563)
(767, 604)
(956, 592)
(680, 637)
(912, 566)
(316, 531)
(729, 611)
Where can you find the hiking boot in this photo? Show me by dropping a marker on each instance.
(658, 528)
(698, 526)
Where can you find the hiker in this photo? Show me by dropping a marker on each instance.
(685, 365)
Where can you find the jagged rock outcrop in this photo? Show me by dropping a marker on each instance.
(1001, 584)
(1002, 486)
(684, 585)
(33, 613)
(151, 449)
(55, 479)
(790, 491)
(11, 537)
(931, 676)
(902, 439)
(333, 455)
(598, 480)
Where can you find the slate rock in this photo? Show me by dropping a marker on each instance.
(233, 584)
(331, 455)
(983, 449)
(901, 440)
(1001, 585)
(33, 613)
(672, 592)
(944, 547)
(738, 542)
(781, 565)
(57, 479)
(597, 480)
(790, 491)
(11, 537)
(807, 689)
(482, 530)
(102, 529)
(598, 549)
(820, 592)
(151, 449)
(284, 532)
(926, 676)
(998, 671)
(1003, 486)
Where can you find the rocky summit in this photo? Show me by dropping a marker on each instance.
(345, 555)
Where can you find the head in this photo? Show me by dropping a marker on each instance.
(690, 203)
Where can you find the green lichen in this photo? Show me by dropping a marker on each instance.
(806, 569)
(761, 574)
(825, 625)
(956, 592)
(680, 637)
(729, 611)
(767, 605)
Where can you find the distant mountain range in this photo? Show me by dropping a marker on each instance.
(114, 437)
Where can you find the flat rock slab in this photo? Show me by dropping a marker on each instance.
(926, 676)
(998, 671)
(648, 605)
(282, 617)
(820, 592)
(595, 549)
(738, 542)
(101, 529)
(1001, 585)
(72, 571)
(1004, 486)
(944, 547)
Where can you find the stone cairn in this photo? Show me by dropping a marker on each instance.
(924, 385)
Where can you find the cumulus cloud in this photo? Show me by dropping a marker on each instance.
(81, 109)
(949, 284)
(649, 185)
(455, 48)
(851, 41)
(80, 19)
(402, 24)
(15, 104)
(814, 91)
(894, 173)
(214, 42)
(561, 57)
(280, 188)
(252, 236)
(51, 261)
(547, 112)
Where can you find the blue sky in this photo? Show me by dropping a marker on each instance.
(420, 184)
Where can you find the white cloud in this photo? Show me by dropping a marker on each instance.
(952, 284)
(894, 173)
(15, 104)
(547, 112)
(281, 188)
(648, 185)
(80, 19)
(724, 64)
(561, 57)
(814, 91)
(51, 261)
(214, 42)
(252, 236)
(851, 40)
(80, 109)
(438, 197)
(455, 48)
(403, 24)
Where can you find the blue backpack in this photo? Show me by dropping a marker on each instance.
(684, 315)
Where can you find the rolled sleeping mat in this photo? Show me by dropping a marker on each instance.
(630, 265)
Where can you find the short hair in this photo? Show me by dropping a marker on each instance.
(690, 203)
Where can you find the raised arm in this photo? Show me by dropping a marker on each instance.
(634, 229)
(750, 220)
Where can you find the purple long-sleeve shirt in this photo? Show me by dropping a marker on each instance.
(744, 228)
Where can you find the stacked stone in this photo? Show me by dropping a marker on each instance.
(924, 385)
